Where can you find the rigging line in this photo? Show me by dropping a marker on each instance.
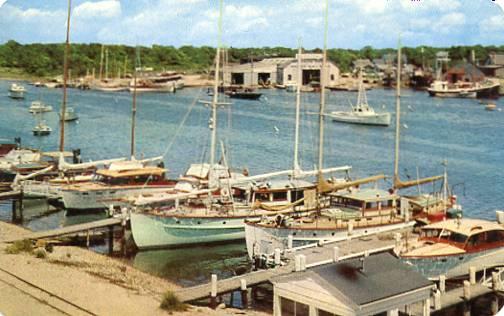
(177, 132)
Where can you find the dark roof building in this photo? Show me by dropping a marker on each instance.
(465, 72)
(494, 65)
(361, 286)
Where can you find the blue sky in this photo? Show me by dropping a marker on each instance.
(352, 23)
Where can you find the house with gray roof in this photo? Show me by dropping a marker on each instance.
(360, 286)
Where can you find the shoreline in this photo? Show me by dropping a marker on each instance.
(73, 280)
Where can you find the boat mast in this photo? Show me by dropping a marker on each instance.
(102, 54)
(65, 79)
(134, 105)
(296, 168)
(322, 95)
(213, 123)
(398, 117)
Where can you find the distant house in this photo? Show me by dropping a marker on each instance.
(493, 66)
(280, 71)
(465, 72)
(371, 285)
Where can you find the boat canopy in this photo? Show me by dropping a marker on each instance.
(367, 195)
(466, 226)
(147, 171)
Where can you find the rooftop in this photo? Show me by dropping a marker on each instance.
(466, 226)
(367, 195)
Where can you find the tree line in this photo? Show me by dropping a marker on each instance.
(45, 60)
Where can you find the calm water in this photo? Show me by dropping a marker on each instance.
(259, 136)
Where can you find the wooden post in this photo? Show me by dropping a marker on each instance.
(442, 283)
(277, 308)
(213, 291)
(495, 305)
(244, 293)
(472, 275)
(297, 263)
(437, 300)
(290, 242)
(426, 307)
(21, 206)
(111, 240)
(278, 258)
(495, 281)
(467, 290)
(302, 262)
(336, 254)
(393, 312)
(87, 238)
(350, 228)
(14, 211)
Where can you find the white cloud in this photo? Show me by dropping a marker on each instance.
(99, 9)
(2, 2)
(440, 5)
(493, 24)
(450, 20)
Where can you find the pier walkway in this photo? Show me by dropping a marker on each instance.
(9, 195)
(314, 255)
(72, 229)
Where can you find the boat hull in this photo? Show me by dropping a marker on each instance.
(78, 200)
(264, 240)
(16, 95)
(455, 265)
(156, 231)
(381, 119)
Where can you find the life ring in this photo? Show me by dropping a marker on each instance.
(224, 192)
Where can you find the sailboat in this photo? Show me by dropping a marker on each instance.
(217, 212)
(362, 112)
(41, 129)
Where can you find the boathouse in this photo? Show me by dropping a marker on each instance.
(464, 72)
(270, 71)
(370, 285)
(493, 66)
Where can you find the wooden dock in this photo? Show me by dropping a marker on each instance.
(315, 256)
(9, 195)
(73, 229)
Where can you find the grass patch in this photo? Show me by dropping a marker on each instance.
(171, 303)
(19, 246)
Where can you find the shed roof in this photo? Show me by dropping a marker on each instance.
(367, 195)
(384, 276)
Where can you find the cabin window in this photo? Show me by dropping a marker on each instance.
(332, 77)
(456, 237)
(289, 77)
(279, 196)
(297, 195)
(494, 236)
(292, 308)
(262, 197)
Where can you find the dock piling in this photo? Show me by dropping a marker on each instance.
(472, 275)
(495, 281)
(277, 257)
(87, 238)
(244, 293)
(442, 283)
(290, 242)
(336, 254)
(437, 300)
(213, 291)
(467, 290)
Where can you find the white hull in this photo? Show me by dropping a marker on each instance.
(103, 198)
(380, 119)
(264, 240)
(167, 89)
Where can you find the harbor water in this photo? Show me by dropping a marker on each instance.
(258, 136)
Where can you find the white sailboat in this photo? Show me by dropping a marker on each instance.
(218, 212)
(362, 112)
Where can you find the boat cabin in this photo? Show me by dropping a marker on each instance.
(152, 175)
(277, 193)
(368, 202)
(470, 235)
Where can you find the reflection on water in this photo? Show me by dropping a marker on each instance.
(194, 265)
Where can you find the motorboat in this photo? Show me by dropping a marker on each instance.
(16, 91)
(450, 247)
(41, 129)
(70, 115)
(247, 94)
(39, 107)
(362, 112)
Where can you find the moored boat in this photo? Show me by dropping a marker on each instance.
(16, 91)
(450, 247)
(38, 107)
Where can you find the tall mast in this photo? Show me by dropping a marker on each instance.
(213, 123)
(134, 105)
(102, 54)
(65, 79)
(298, 105)
(398, 117)
(322, 94)
(106, 63)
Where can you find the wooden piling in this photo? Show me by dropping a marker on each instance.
(336, 254)
(244, 293)
(495, 281)
(472, 275)
(467, 290)
(111, 240)
(437, 300)
(278, 258)
(290, 242)
(442, 283)
(213, 291)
